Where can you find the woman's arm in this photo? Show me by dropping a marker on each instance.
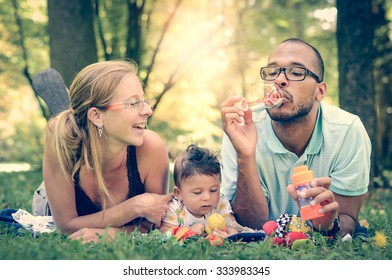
(61, 196)
(108, 234)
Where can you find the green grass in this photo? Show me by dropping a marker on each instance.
(16, 191)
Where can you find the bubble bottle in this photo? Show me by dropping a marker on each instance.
(301, 178)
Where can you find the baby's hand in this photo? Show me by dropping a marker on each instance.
(221, 233)
(198, 229)
(231, 231)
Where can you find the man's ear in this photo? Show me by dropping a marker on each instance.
(95, 116)
(321, 91)
(177, 193)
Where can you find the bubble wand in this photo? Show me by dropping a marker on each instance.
(272, 98)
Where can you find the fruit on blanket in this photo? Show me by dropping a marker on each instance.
(182, 233)
(215, 221)
(215, 240)
(270, 227)
(278, 241)
(302, 244)
(289, 230)
(298, 224)
(293, 236)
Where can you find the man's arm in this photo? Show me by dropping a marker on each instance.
(348, 212)
(249, 203)
(246, 193)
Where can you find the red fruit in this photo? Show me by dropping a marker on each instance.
(278, 241)
(270, 227)
(292, 236)
(215, 240)
(182, 233)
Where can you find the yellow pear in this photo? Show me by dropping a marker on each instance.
(215, 221)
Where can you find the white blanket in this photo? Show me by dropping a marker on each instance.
(35, 224)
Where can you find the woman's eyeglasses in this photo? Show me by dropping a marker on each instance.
(131, 104)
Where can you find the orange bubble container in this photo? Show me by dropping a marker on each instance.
(301, 179)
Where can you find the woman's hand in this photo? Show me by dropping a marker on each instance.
(94, 235)
(321, 195)
(153, 206)
(109, 234)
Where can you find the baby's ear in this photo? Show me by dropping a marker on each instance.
(177, 193)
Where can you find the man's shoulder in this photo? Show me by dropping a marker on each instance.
(335, 115)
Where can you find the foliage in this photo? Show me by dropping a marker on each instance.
(211, 50)
(21, 125)
(194, 53)
(21, 129)
(26, 144)
(16, 190)
(155, 246)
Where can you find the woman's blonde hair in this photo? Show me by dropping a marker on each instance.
(76, 138)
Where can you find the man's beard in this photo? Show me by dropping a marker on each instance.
(292, 117)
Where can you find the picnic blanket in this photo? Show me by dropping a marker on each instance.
(16, 219)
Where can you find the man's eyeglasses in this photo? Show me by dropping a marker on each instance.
(297, 73)
(131, 104)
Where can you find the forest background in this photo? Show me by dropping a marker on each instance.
(192, 55)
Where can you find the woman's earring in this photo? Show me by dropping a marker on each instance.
(100, 131)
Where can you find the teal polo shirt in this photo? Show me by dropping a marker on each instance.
(339, 148)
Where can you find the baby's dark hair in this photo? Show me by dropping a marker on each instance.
(195, 160)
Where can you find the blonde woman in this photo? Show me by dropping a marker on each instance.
(104, 171)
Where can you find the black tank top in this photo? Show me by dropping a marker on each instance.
(85, 206)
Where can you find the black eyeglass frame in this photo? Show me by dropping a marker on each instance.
(283, 69)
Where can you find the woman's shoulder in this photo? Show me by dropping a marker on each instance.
(49, 135)
(152, 141)
(50, 126)
(150, 135)
(153, 163)
(153, 147)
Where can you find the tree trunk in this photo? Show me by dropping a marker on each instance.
(383, 76)
(134, 43)
(72, 40)
(355, 29)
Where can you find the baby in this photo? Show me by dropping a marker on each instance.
(197, 178)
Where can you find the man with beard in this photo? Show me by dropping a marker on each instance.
(258, 158)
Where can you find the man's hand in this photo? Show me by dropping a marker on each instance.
(321, 195)
(239, 126)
